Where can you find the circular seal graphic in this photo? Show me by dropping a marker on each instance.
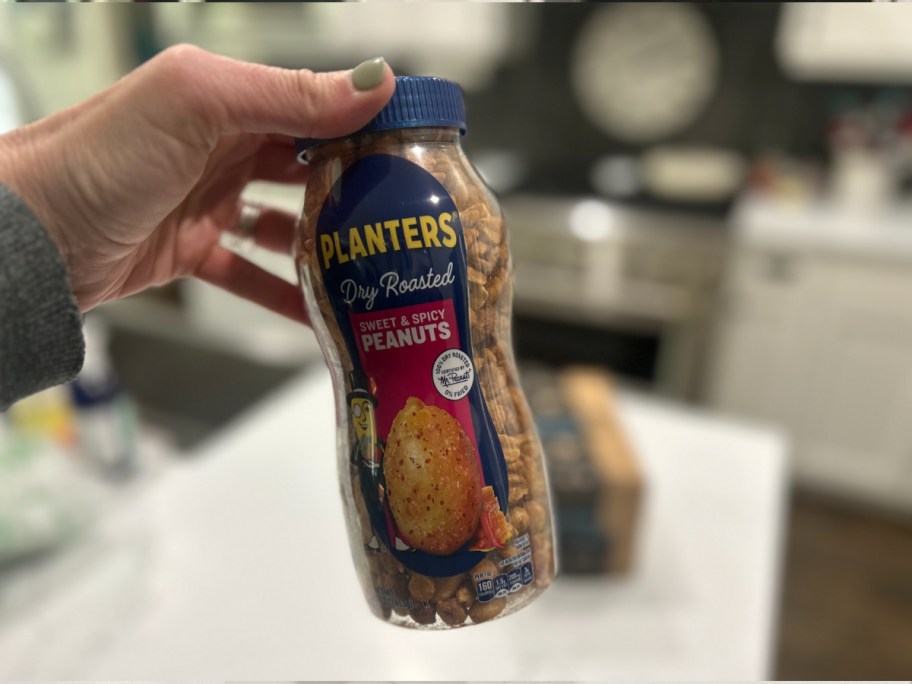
(453, 374)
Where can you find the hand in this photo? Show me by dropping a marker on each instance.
(136, 184)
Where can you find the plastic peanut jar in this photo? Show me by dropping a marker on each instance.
(403, 258)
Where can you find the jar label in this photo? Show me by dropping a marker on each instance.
(425, 453)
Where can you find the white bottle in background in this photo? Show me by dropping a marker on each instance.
(105, 415)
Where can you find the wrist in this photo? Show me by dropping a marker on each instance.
(20, 171)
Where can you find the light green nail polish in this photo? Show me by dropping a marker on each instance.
(369, 74)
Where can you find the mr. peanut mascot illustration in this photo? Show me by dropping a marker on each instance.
(367, 456)
(367, 449)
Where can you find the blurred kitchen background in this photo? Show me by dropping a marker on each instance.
(711, 203)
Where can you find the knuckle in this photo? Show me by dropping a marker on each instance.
(181, 52)
(179, 66)
(307, 91)
(182, 73)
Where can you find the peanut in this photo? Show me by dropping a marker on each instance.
(465, 596)
(421, 587)
(537, 516)
(519, 518)
(484, 569)
(482, 612)
(447, 586)
(400, 587)
(423, 614)
(452, 612)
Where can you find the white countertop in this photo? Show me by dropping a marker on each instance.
(881, 230)
(236, 566)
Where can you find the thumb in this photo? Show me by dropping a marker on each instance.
(188, 90)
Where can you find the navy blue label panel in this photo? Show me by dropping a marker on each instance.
(392, 255)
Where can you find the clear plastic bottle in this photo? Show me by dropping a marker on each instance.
(403, 258)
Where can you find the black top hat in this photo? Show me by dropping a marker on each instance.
(359, 387)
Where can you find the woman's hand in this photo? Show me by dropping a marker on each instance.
(136, 184)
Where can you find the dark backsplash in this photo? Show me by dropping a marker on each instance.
(756, 108)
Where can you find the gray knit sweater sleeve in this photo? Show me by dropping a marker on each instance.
(41, 341)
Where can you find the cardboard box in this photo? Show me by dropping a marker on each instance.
(595, 480)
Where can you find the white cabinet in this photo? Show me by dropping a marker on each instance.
(856, 433)
(758, 356)
(821, 344)
(845, 42)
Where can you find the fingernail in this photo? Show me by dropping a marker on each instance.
(369, 74)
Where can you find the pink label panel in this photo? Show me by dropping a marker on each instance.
(398, 349)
